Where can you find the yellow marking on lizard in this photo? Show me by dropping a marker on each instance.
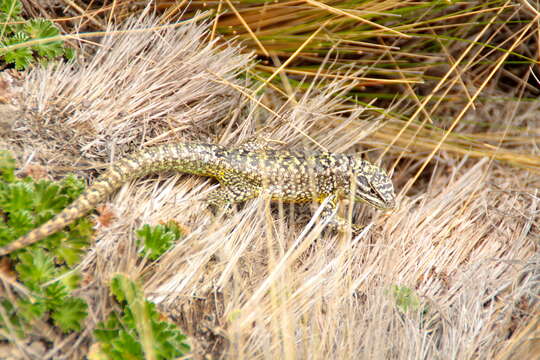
(244, 173)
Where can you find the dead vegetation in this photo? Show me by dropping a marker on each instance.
(454, 272)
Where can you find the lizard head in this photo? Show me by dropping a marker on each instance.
(373, 185)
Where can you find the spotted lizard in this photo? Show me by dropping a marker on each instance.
(243, 173)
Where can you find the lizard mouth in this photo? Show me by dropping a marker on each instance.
(377, 202)
(389, 205)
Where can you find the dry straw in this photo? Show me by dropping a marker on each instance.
(443, 277)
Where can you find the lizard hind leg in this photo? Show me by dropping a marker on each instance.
(220, 199)
(226, 195)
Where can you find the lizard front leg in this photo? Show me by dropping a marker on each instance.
(336, 222)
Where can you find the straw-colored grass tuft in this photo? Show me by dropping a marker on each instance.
(141, 83)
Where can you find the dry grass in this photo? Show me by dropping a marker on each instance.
(268, 281)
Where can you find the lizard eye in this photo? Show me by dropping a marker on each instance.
(373, 191)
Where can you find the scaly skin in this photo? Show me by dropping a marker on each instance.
(244, 173)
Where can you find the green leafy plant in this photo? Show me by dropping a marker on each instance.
(136, 331)
(44, 268)
(16, 31)
(155, 240)
(405, 298)
(46, 271)
(407, 301)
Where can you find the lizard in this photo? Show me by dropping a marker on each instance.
(243, 173)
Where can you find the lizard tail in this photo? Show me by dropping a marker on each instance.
(197, 159)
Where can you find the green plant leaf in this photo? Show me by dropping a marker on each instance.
(11, 7)
(122, 288)
(20, 314)
(18, 31)
(127, 346)
(7, 234)
(20, 221)
(71, 314)
(17, 196)
(117, 339)
(56, 293)
(43, 29)
(405, 298)
(7, 166)
(158, 239)
(71, 250)
(47, 199)
(35, 268)
(30, 310)
(72, 187)
(11, 25)
(69, 53)
(71, 280)
(121, 336)
(109, 329)
(22, 56)
(170, 342)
